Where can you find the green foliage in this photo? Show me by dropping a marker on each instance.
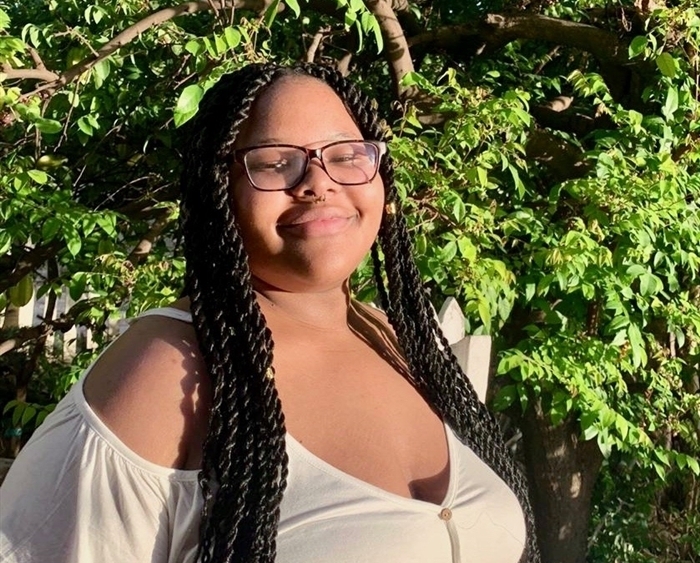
(639, 519)
(586, 274)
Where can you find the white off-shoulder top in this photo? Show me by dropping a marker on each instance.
(77, 494)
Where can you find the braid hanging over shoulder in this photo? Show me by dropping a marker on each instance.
(244, 467)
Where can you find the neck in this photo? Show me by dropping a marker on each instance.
(326, 310)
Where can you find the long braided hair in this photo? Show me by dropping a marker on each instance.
(244, 467)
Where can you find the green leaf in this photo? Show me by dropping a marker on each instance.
(38, 176)
(466, 249)
(360, 33)
(27, 415)
(84, 126)
(74, 243)
(666, 64)
(271, 13)
(195, 47)
(102, 70)
(588, 421)
(484, 313)
(50, 228)
(649, 284)
(17, 414)
(671, 104)
(97, 15)
(233, 37)
(483, 176)
(694, 465)
(48, 126)
(5, 243)
(409, 79)
(40, 417)
(620, 338)
(639, 356)
(220, 44)
(604, 444)
(21, 294)
(77, 286)
(187, 104)
(10, 404)
(448, 252)
(636, 270)
(294, 6)
(509, 363)
(4, 20)
(637, 46)
(505, 397)
(108, 223)
(377, 31)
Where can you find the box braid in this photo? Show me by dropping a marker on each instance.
(244, 466)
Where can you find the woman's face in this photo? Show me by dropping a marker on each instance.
(292, 243)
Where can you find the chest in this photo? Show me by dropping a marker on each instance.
(327, 515)
(350, 405)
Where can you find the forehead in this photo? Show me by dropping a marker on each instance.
(297, 110)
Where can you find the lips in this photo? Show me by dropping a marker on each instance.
(314, 221)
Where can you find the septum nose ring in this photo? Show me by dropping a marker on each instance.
(318, 199)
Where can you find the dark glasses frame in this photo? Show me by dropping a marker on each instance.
(239, 156)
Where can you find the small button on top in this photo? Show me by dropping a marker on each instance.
(445, 514)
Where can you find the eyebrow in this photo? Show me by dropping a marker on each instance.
(333, 137)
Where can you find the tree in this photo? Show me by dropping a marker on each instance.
(547, 154)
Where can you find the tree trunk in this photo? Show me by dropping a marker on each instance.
(562, 471)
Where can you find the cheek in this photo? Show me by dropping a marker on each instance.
(244, 200)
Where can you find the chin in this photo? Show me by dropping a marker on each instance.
(304, 280)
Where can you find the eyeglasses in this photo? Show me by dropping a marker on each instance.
(273, 168)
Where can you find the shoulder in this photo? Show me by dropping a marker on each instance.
(373, 314)
(378, 320)
(151, 389)
(369, 310)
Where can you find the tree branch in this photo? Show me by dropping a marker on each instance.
(38, 73)
(12, 271)
(48, 325)
(143, 248)
(343, 64)
(562, 159)
(497, 30)
(132, 32)
(558, 114)
(315, 44)
(29, 74)
(395, 43)
(23, 336)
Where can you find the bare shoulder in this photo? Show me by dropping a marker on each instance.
(151, 389)
(377, 319)
(372, 313)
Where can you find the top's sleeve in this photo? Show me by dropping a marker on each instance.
(76, 494)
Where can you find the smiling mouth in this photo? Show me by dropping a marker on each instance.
(315, 222)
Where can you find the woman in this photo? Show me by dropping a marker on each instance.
(318, 429)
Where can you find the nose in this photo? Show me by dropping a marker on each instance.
(315, 182)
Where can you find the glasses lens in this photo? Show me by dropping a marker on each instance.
(351, 162)
(275, 168)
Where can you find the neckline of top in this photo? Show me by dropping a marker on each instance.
(341, 475)
(170, 312)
